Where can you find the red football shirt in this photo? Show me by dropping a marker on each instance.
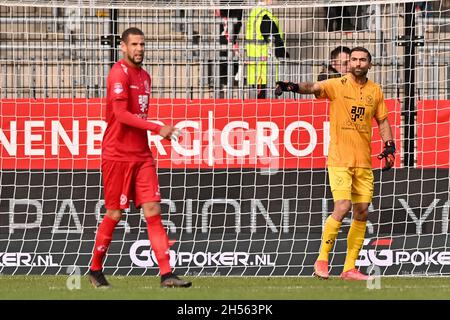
(128, 93)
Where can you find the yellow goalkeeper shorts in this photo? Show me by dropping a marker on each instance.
(355, 184)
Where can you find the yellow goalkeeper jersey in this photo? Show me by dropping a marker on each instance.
(352, 108)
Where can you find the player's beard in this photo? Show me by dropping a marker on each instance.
(360, 73)
(136, 62)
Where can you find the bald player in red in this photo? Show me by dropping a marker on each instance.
(128, 167)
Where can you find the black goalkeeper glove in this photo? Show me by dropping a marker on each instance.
(388, 154)
(285, 86)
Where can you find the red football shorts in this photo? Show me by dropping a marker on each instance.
(124, 181)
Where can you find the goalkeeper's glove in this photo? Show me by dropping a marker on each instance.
(388, 153)
(285, 86)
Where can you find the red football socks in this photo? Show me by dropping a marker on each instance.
(102, 241)
(159, 242)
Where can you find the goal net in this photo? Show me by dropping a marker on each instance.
(245, 189)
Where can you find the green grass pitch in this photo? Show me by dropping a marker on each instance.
(225, 288)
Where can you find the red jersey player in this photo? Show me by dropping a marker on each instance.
(128, 167)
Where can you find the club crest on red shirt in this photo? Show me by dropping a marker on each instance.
(118, 88)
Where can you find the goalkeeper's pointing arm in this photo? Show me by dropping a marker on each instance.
(302, 88)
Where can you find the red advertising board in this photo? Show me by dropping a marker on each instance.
(433, 134)
(284, 134)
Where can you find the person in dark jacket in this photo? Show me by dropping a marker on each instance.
(228, 36)
(338, 64)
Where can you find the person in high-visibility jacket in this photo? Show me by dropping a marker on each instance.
(261, 25)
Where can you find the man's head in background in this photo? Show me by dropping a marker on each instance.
(340, 58)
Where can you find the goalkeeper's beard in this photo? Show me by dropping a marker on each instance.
(361, 73)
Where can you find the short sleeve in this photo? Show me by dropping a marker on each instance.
(118, 84)
(382, 111)
(327, 89)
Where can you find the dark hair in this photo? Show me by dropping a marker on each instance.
(132, 30)
(338, 50)
(362, 49)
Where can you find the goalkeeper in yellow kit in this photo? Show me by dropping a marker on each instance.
(354, 101)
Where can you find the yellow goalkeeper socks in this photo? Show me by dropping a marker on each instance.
(329, 235)
(355, 241)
